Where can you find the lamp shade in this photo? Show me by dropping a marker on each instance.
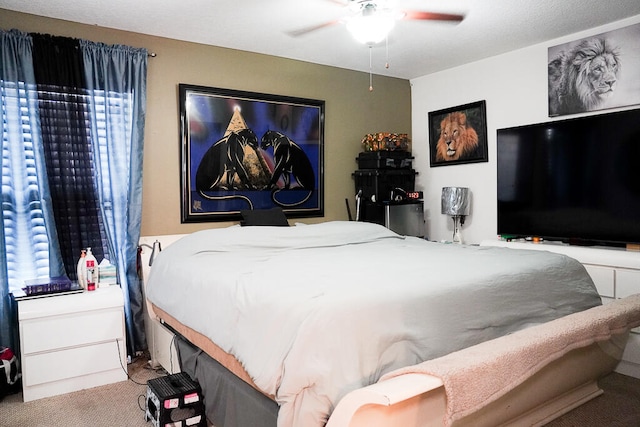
(455, 201)
(371, 28)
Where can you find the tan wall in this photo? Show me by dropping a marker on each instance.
(351, 110)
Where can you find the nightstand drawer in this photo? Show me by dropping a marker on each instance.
(58, 332)
(74, 362)
(71, 342)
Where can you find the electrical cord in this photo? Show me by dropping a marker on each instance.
(142, 406)
(124, 369)
(171, 345)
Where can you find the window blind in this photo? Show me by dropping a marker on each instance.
(27, 244)
(72, 171)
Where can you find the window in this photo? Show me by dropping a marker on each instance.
(27, 242)
(68, 180)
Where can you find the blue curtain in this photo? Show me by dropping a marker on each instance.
(20, 112)
(104, 86)
(15, 67)
(116, 83)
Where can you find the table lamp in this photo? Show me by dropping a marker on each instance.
(455, 202)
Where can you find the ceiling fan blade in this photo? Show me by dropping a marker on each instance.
(431, 16)
(307, 30)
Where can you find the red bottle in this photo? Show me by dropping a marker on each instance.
(92, 270)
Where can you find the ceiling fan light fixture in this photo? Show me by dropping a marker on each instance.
(371, 28)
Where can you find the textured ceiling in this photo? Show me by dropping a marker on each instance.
(415, 48)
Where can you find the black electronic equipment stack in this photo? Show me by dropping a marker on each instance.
(381, 172)
(174, 400)
(385, 191)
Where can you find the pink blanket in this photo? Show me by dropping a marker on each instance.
(504, 363)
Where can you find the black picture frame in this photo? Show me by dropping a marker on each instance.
(244, 150)
(458, 135)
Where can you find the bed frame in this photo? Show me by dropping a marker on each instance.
(160, 339)
(420, 399)
(560, 387)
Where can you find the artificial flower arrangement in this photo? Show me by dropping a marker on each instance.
(385, 141)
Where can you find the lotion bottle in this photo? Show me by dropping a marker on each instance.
(92, 270)
(81, 270)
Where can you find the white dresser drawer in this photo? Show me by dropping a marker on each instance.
(603, 278)
(627, 282)
(74, 362)
(57, 332)
(57, 305)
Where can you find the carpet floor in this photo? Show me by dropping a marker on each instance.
(120, 404)
(123, 405)
(619, 406)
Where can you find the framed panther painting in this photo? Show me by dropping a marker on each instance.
(243, 151)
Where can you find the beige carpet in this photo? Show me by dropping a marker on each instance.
(619, 406)
(115, 405)
(122, 405)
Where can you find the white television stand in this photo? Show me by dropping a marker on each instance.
(615, 272)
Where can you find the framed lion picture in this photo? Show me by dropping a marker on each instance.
(458, 135)
(586, 74)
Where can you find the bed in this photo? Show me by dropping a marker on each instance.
(347, 323)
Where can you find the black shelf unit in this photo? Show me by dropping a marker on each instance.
(385, 192)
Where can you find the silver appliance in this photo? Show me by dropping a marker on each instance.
(405, 218)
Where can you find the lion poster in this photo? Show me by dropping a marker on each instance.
(595, 73)
(458, 135)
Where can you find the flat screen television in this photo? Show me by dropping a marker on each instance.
(576, 180)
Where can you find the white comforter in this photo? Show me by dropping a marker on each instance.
(313, 312)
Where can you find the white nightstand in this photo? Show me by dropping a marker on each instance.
(71, 342)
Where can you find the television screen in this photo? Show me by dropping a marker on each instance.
(574, 180)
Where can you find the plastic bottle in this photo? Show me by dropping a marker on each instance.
(81, 270)
(92, 270)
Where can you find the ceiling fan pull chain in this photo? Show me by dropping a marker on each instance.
(370, 70)
(386, 64)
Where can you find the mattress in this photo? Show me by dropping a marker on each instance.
(313, 312)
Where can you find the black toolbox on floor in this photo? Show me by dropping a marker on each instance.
(175, 400)
(376, 184)
(384, 160)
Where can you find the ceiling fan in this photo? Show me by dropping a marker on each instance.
(370, 21)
